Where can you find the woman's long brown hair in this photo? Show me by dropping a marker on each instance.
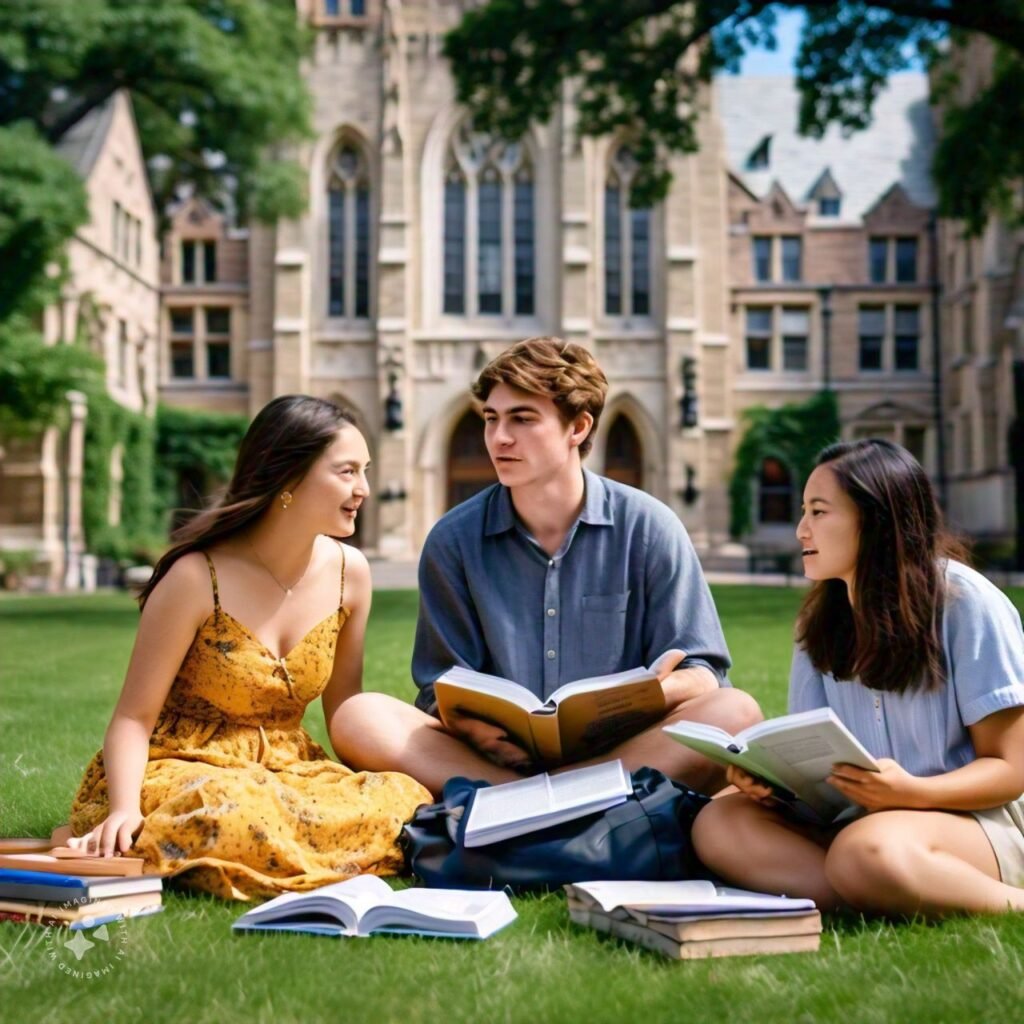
(890, 636)
(284, 440)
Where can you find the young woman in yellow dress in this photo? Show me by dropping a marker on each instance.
(258, 609)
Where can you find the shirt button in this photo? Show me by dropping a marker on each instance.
(551, 655)
(551, 613)
(551, 561)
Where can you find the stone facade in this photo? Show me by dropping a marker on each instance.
(111, 297)
(983, 341)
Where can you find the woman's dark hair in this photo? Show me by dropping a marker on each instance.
(889, 637)
(284, 440)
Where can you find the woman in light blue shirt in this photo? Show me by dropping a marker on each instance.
(923, 660)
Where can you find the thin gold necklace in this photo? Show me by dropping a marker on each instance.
(270, 572)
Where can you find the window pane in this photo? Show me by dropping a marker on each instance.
(828, 207)
(878, 251)
(218, 359)
(188, 262)
(641, 260)
(218, 321)
(871, 320)
(455, 246)
(913, 441)
(612, 251)
(775, 504)
(906, 259)
(181, 321)
(210, 262)
(870, 352)
(336, 252)
(363, 252)
(181, 359)
(907, 348)
(794, 352)
(524, 246)
(332, 7)
(759, 321)
(489, 255)
(358, 8)
(907, 320)
(762, 248)
(759, 353)
(795, 321)
(792, 259)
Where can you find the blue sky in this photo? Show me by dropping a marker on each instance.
(779, 62)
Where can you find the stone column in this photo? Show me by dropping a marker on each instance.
(74, 541)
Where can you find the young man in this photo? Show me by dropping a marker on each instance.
(551, 575)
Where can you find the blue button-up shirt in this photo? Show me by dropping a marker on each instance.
(624, 587)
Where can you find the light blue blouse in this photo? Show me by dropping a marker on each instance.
(925, 731)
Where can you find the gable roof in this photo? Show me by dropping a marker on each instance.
(895, 149)
(82, 142)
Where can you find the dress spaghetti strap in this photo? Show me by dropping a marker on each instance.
(341, 596)
(213, 581)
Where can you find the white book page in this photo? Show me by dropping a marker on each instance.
(346, 901)
(511, 801)
(493, 685)
(584, 786)
(633, 675)
(609, 895)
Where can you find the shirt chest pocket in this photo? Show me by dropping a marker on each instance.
(602, 636)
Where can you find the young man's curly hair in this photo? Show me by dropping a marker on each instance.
(560, 370)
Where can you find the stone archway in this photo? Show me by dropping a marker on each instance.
(469, 465)
(624, 453)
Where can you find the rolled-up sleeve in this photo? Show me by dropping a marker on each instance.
(985, 647)
(681, 611)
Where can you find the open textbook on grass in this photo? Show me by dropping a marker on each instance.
(578, 719)
(365, 905)
(515, 808)
(794, 754)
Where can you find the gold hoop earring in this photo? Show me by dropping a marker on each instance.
(286, 499)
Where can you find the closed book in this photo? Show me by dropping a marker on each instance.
(44, 885)
(88, 914)
(71, 862)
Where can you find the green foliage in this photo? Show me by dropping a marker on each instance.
(214, 83)
(794, 434)
(639, 68)
(196, 445)
(35, 378)
(42, 203)
(140, 533)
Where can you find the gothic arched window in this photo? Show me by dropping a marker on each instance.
(348, 228)
(627, 243)
(624, 457)
(489, 265)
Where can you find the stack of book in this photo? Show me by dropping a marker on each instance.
(696, 919)
(61, 887)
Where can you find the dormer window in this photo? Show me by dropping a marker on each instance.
(829, 207)
(761, 155)
(826, 196)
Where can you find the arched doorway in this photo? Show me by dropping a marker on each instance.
(624, 456)
(469, 465)
(775, 504)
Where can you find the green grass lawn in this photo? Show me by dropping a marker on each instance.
(61, 661)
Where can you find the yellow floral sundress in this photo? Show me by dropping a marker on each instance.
(238, 799)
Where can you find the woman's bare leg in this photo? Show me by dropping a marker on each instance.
(909, 862)
(756, 848)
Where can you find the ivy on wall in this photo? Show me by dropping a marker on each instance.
(794, 434)
(195, 454)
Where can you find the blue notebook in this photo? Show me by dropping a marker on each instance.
(16, 884)
(365, 905)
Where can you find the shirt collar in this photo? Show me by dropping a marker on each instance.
(500, 516)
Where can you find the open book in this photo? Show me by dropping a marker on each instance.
(515, 808)
(794, 754)
(682, 899)
(365, 905)
(577, 720)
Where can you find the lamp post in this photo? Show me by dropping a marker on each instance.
(825, 294)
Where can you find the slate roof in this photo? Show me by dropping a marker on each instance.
(82, 142)
(896, 148)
